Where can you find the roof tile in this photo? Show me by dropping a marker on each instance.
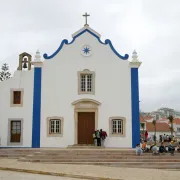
(160, 127)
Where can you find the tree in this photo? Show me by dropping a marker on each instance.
(171, 120)
(143, 127)
(5, 74)
(154, 123)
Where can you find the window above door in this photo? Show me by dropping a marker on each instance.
(86, 82)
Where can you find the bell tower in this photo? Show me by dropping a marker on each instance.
(24, 61)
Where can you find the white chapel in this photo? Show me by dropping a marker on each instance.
(62, 97)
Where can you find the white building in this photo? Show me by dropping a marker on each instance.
(176, 127)
(84, 85)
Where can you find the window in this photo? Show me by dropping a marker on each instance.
(15, 131)
(117, 126)
(86, 82)
(178, 129)
(55, 126)
(16, 99)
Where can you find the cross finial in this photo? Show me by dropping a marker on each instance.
(86, 15)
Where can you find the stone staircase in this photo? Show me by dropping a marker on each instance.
(94, 156)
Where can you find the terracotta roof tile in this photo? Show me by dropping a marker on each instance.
(177, 120)
(148, 117)
(141, 119)
(160, 127)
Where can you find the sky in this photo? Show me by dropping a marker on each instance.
(151, 27)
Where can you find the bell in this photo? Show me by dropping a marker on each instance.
(25, 65)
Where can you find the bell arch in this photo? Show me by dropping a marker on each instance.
(24, 61)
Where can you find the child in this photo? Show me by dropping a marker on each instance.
(162, 148)
(171, 148)
(154, 149)
(178, 147)
(138, 150)
(144, 147)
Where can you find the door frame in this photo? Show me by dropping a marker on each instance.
(84, 105)
(93, 119)
(9, 143)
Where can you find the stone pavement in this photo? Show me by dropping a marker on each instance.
(8, 175)
(90, 171)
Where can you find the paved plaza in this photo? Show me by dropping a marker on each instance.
(8, 175)
(91, 171)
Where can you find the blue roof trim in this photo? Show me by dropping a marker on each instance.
(107, 42)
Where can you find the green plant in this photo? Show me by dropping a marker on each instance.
(5, 74)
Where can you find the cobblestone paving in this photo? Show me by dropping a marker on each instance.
(7, 175)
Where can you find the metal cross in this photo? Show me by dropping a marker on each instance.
(86, 15)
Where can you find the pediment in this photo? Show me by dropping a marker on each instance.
(94, 34)
(86, 103)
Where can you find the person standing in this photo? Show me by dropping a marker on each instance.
(95, 138)
(98, 138)
(103, 136)
(146, 136)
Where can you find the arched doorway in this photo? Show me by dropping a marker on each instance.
(86, 120)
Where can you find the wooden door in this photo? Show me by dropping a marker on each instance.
(86, 127)
(15, 131)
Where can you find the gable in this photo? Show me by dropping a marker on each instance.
(94, 34)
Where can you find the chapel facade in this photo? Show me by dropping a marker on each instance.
(63, 97)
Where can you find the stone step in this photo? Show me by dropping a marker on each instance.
(85, 147)
(101, 160)
(173, 166)
(79, 154)
(167, 156)
(94, 156)
(67, 154)
(72, 150)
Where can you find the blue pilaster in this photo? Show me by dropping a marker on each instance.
(135, 107)
(36, 121)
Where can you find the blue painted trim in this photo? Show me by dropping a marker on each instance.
(36, 121)
(135, 107)
(107, 42)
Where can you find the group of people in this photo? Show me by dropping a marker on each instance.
(166, 138)
(99, 136)
(154, 149)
